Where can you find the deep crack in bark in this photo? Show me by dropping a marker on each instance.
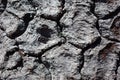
(112, 14)
(26, 18)
(3, 5)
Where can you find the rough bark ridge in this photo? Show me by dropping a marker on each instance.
(59, 39)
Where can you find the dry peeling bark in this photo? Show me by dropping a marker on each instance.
(59, 39)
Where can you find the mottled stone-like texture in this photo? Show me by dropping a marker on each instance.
(59, 39)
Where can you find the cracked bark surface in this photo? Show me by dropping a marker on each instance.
(59, 39)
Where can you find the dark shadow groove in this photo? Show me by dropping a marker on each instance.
(47, 66)
(19, 64)
(92, 8)
(112, 14)
(39, 54)
(57, 18)
(11, 52)
(112, 39)
(3, 5)
(47, 49)
(28, 17)
(22, 26)
(97, 26)
(93, 45)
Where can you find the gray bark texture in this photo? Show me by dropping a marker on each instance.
(59, 39)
